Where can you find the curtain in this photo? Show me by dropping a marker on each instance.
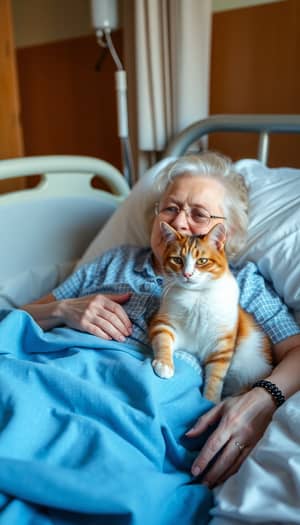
(167, 57)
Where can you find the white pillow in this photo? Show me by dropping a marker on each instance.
(274, 228)
(129, 224)
(32, 284)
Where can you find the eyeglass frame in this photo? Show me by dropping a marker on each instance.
(188, 214)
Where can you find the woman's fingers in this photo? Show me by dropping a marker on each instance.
(112, 319)
(95, 330)
(118, 298)
(117, 310)
(111, 325)
(99, 315)
(235, 466)
(212, 447)
(241, 422)
(227, 463)
(210, 418)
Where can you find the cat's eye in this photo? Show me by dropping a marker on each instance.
(176, 260)
(202, 260)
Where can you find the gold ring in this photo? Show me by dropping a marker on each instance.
(239, 445)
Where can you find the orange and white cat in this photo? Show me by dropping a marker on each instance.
(200, 313)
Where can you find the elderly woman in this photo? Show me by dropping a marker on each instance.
(114, 297)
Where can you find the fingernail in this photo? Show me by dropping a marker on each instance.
(189, 431)
(196, 470)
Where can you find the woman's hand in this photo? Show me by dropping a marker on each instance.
(97, 314)
(242, 420)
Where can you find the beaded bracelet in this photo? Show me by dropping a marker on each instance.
(273, 389)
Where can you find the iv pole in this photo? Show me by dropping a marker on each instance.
(103, 12)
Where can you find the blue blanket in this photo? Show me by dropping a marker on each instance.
(90, 435)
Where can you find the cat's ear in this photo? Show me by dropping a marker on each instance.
(217, 235)
(169, 234)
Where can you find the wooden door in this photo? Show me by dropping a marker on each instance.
(11, 141)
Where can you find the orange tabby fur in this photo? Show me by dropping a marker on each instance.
(200, 313)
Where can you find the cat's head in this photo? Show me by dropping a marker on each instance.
(192, 260)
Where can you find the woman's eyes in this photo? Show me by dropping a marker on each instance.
(199, 213)
(173, 209)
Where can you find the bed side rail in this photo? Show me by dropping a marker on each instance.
(264, 125)
(66, 174)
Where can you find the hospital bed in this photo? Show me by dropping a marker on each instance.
(64, 221)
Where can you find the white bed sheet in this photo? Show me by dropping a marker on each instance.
(266, 490)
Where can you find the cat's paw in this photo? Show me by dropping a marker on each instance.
(162, 369)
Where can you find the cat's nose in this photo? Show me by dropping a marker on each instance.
(188, 275)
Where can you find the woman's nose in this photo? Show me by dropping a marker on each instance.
(181, 222)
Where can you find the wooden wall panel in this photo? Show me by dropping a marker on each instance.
(11, 144)
(255, 69)
(68, 107)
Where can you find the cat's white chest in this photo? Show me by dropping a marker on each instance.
(201, 316)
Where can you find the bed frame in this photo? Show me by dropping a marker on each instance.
(263, 125)
(56, 220)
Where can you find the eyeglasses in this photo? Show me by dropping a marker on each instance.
(199, 216)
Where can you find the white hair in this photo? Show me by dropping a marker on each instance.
(220, 168)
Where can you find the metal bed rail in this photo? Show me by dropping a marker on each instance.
(264, 125)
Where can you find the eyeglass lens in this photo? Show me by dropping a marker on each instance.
(196, 214)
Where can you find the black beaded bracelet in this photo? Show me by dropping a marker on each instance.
(273, 389)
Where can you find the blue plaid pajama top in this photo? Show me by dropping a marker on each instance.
(130, 269)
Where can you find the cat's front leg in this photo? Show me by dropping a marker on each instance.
(213, 385)
(162, 344)
(216, 368)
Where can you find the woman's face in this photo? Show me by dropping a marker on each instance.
(185, 199)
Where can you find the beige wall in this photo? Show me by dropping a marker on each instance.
(43, 21)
